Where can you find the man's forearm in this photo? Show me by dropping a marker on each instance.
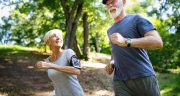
(150, 40)
(147, 42)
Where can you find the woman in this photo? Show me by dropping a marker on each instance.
(62, 66)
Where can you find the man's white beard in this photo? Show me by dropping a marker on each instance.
(117, 11)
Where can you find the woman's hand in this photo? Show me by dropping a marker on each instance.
(43, 65)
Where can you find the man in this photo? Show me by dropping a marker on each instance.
(130, 36)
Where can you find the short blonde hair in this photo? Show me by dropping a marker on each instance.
(51, 33)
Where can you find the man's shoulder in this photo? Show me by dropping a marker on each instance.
(138, 17)
(134, 16)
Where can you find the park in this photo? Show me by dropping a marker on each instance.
(84, 25)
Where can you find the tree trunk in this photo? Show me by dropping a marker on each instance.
(72, 18)
(86, 48)
(77, 49)
(97, 43)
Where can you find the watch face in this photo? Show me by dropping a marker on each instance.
(128, 42)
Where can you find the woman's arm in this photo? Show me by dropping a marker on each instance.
(66, 69)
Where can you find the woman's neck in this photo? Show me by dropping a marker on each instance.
(56, 52)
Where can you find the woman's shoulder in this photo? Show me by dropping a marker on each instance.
(69, 51)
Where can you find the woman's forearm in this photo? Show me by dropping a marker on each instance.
(66, 69)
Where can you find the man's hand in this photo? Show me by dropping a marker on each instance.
(43, 65)
(109, 69)
(118, 39)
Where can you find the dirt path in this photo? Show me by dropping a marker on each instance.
(18, 77)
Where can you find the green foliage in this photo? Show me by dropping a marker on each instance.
(168, 12)
(169, 84)
(134, 7)
(167, 57)
(15, 49)
(99, 22)
(29, 21)
(168, 27)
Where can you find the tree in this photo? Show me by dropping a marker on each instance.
(168, 25)
(86, 48)
(72, 17)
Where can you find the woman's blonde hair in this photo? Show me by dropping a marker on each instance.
(51, 33)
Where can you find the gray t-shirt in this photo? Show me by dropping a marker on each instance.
(131, 62)
(64, 84)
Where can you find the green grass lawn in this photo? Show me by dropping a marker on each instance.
(169, 82)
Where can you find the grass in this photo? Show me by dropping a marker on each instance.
(16, 48)
(169, 84)
(14, 77)
(17, 72)
(7, 50)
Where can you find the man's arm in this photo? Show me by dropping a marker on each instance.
(151, 39)
(110, 67)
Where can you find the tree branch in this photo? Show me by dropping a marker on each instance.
(78, 12)
(76, 3)
(65, 8)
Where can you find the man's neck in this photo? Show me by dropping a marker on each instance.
(120, 17)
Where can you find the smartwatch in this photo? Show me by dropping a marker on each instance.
(128, 42)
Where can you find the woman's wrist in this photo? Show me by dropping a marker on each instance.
(51, 66)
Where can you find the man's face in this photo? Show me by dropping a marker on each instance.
(114, 7)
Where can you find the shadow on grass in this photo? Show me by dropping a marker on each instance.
(18, 75)
(20, 78)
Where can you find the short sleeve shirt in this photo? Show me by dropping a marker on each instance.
(64, 84)
(131, 62)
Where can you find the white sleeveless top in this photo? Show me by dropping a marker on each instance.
(64, 84)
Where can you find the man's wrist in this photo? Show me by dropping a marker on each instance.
(128, 42)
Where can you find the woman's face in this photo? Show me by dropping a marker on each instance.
(55, 40)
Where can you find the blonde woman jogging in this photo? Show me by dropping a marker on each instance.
(62, 66)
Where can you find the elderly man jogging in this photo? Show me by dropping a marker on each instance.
(130, 36)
